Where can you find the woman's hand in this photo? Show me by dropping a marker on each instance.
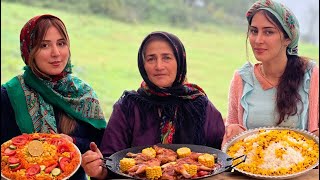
(91, 163)
(231, 131)
(64, 136)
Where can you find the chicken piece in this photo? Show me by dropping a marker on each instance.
(195, 155)
(165, 155)
(172, 170)
(168, 172)
(141, 167)
(138, 157)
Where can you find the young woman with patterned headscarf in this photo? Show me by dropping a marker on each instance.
(46, 98)
(165, 109)
(283, 88)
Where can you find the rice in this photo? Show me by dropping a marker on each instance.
(48, 157)
(290, 157)
(275, 152)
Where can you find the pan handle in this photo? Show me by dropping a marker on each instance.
(232, 166)
(107, 162)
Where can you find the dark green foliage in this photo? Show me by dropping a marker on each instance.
(183, 13)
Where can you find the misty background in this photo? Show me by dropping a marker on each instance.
(191, 14)
(307, 12)
(106, 34)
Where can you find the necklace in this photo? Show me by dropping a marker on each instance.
(271, 82)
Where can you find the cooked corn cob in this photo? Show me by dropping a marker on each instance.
(126, 163)
(153, 172)
(207, 160)
(183, 152)
(149, 152)
(191, 169)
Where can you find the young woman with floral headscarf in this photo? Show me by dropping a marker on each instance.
(165, 109)
(283, 88)
(46, 98)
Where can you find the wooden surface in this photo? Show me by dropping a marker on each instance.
(312, 175)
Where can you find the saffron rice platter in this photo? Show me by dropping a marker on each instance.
(274, 152)
(39, 156)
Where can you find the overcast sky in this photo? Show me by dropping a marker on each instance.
(303, 10)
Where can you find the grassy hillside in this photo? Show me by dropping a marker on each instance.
(104, 53)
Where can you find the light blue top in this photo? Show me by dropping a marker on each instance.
(259, 105)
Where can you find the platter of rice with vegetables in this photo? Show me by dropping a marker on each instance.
(274, 152)
(39, 156)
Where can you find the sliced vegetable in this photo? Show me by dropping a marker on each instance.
(15, 167)
(9, 152)
(12, 166)
(63, 163)
(63, 148)
(35, 148)
(57, 141)
(33, 170)
(20, 140)
(13, 160)
(50, 168)
(42, 167)
(13, 147)
(56, 172)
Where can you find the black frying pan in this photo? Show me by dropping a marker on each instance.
(222, 158)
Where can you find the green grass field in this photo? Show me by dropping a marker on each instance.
(104, 52)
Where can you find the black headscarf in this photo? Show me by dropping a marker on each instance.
(183, 103)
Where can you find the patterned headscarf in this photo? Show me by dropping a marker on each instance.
(285, 16)
(34, 97)
(182, 106)
(27, 34)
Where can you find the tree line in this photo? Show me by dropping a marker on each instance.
(182, 13)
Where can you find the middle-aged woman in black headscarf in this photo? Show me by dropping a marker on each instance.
(166, 108)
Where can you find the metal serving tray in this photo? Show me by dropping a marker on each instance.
(255, 131)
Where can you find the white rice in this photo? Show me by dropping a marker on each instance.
(289, 158)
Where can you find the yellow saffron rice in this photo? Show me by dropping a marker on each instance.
(275, 152)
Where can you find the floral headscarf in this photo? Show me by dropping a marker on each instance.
(285, 16)
(34, 98)
(26, 36)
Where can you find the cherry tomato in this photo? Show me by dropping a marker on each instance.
(33, 170)
(13, 160)
(20, 140)
(9, 152)
(63, 148)
(63, 162)
(49, 168)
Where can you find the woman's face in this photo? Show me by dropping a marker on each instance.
(266, 39)
(52, 56)
(160, 63)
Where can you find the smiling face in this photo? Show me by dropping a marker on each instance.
(52, 56)
(160, 63)
(266, 39)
